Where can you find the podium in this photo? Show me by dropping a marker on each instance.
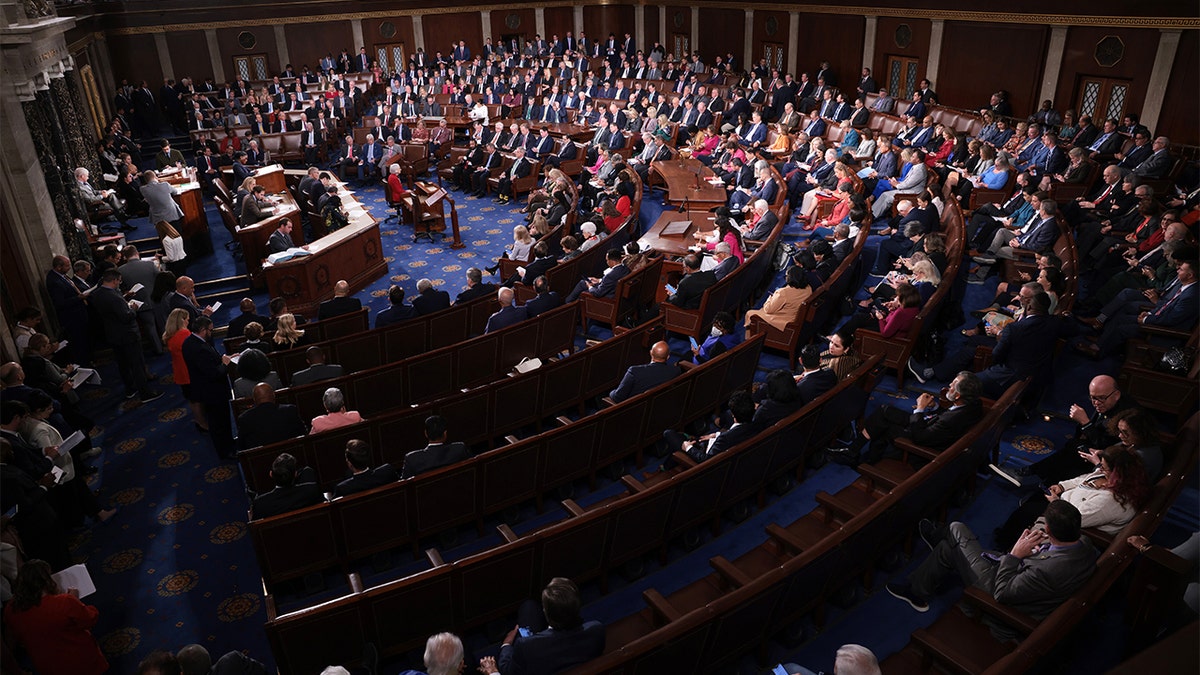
(425, 204)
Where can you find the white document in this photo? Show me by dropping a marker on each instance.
(84, 375)
(76, 577)
(70, 442)
(61, 345)
(136, 288)
(135, 305)
(216, 306)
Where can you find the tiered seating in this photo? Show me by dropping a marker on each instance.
(718, 618)
(898, 348)
(635, 291)
(540, 399)
(817, 310)
(329, 329)
(489, 585)
(967, 645)
(444, 375)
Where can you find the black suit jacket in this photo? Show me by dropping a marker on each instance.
(537, 268)
(725, 440)
(120, 322)
(433, 456)
(643, 378)
(691, 289)
(544, 302)
(477, 291)
(361, 482)
(814, 384)
(268, 423)
(395, 314)
(938, 431)
(338, 306)
(552, 651)
(431, 301)
(278, 242)
(304, 492)
(210, 381)
(321, 371)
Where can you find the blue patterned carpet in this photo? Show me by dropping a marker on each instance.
(175, 566)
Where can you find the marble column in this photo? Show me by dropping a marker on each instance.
(77, 136)
(1160, 73)
(46, 133)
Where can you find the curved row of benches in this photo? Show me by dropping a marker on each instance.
(347, 529)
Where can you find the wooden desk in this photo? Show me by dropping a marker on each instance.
(353, 253)
(686, 182)
(677, 244)
(254, 237)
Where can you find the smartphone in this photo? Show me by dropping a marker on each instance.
(779, 670)
(524, 632)
(693, 341)
(671, 289)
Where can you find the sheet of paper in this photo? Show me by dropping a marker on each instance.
(57, 473)
(216, 306)
(76, 577)
(135, 304)
(135, 288)
(61, 345)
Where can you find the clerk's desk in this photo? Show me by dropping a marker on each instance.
(190, 197)
(353, 253)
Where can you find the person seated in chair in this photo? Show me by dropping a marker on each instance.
(509, 313)
(437, 453)
(545, 300)
(927, 425)
(336, 414)
(362, 476)
(317, 369)
(267, 422)
(397, 311)
(642, 378)
(341, 302)
(293, 489)
(741, 406)
(555, 637)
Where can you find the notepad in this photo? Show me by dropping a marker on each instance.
(76, 577)
(84, 375)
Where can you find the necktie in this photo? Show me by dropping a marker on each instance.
(1099, 142)
(1170, 301)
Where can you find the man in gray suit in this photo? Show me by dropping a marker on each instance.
(137, 271)
(1046, 566)
(159, 197)
(317, 369)
(97, 198)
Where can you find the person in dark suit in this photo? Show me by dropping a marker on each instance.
(210, 384)
(340, 303)
(741, 406)
(281, 239)
(36, 521)
(558, 636)
(437, 453)
(268, 422)
(645, 377)
(397, 311)
(121, 331)
(542, 262)
(317, 369)
(475, 287)
(605, 285)
(293, 489)
(237, 325)
(814, 380)
(1048, 564)
(1175, 309)
(926, 426)
(429, 299)
(1108, 142)
(761, 223)
(691, 287)
(363, 477)
(545, 300)
(509, 313)
(1023, 349)
(71, 308)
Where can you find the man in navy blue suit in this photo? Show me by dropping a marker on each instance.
(509, 313)
(606, 285)
(397, 311)
(645, 377)
(545, 300)
(550, 638)
(1039, 238)
(1175, 308)
(815, 380)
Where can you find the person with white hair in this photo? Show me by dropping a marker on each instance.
(336, 414)
(851, 659)
(443, 654)
(96, 199)
(590, 237)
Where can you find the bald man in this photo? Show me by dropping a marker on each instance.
(340, 303)
(267, 422)
(1105, 400)
(646, 377)
(510, 314)
(185, 298)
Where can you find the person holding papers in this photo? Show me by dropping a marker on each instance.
(72, 499)
(52, 624)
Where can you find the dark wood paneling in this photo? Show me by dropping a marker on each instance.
(651, 22)
(1181, 101)
(559, 20)
(836, 39)
(227, 39)
(189, 55)
(969, 75)
(441, 30)
(308, 42)
(885, 44)
(527, 26)
(782, 30)
(722, 31)
(135, 58)
(1079, 60)
(599, 21)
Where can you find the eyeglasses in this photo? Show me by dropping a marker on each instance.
(1102, 399)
